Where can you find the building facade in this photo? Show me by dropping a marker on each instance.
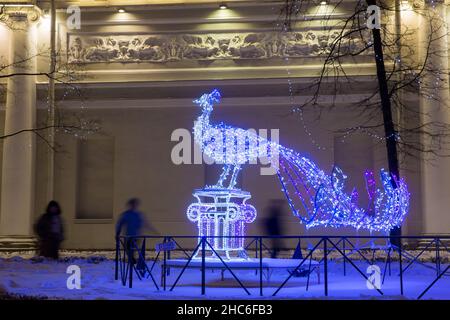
(133, 71)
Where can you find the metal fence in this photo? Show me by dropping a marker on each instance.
(132, 257)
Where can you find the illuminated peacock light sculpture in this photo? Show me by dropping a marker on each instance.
(316, 198)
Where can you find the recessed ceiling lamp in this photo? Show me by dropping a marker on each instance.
(223, 6)
(121, 10)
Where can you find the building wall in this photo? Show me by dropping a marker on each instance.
(139, 100)
(143, 168)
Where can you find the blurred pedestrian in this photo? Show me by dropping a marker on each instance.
(49, 229)
(132, 221)
(273, 225)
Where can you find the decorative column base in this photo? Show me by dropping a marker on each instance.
(425, 243)
(17, 243)
(221, 215)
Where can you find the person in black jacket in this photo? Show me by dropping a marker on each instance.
(49, 229)
(273, 225)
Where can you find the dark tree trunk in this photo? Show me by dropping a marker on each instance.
(389, 129)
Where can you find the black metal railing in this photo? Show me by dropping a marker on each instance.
(132, 258)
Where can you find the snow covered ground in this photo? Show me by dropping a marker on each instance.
(20, 275)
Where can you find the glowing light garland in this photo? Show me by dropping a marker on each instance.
(316, 198)
(221, 214)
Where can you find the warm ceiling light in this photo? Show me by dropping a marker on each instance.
(323, 3)
(223, 6)
(121, 10)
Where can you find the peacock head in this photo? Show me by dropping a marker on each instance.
(207, 100)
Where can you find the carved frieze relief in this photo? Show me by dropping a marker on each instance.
(168, 47)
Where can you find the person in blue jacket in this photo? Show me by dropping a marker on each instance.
(131, 219)
(132, 222)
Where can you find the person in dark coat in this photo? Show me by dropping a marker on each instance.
(273, 225)
(49, 229)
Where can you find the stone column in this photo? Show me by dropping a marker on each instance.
(18, 171)
(436, 108)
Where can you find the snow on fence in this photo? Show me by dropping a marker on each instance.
(132, 260)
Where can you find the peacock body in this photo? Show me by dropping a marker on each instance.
(316, 198)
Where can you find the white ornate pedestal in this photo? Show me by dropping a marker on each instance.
(220, 215)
